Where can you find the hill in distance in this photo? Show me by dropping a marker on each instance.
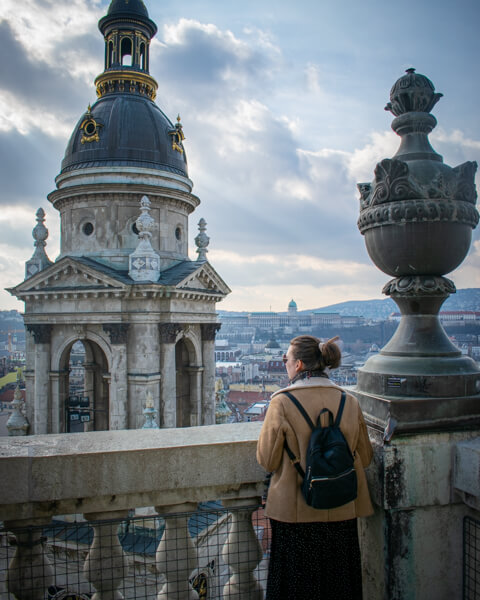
(465, 299)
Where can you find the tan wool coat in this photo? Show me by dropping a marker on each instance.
(285, 501)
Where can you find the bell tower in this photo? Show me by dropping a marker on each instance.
(123, 285)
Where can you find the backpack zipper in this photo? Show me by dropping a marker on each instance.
(326, 478)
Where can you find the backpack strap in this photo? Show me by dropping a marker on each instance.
(294, 460)
(340, 409)
(301, 409)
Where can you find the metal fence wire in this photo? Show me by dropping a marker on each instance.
(67, 562)
(471, 559)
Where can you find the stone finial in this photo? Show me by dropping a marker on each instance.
(144, 262)
(39, 259)
(17, 424)
(222, 412)
(412, 93)
(202, 240)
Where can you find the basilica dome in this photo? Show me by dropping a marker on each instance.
(125, 129)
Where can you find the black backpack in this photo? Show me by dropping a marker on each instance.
(330, 480)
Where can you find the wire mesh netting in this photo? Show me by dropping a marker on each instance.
(471, 559)
(140, 556)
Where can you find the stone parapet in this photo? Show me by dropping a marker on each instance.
(48, 475)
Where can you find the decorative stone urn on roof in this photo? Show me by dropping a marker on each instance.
(417, 217)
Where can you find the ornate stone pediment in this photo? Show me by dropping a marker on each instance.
(67, 276)
(205, 278)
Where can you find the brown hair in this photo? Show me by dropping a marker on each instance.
(314, 354)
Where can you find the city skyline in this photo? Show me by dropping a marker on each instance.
(283, 115)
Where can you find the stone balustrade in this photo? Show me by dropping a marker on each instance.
(426, 481)
(104, 475)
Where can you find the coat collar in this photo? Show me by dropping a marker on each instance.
(312, 382)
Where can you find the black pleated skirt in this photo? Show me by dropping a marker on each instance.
(310, 561)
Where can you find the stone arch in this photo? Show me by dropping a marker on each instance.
(96, 388)
(187, 384)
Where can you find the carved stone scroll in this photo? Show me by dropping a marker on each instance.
(42, 334)
(117, 332)
(168, 332)
(209, 331)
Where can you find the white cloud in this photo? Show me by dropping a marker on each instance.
(23, 117)
(381, 144)
(293, 187)
(468, 274)
(40, 29)
(456, 137)
(312, 73)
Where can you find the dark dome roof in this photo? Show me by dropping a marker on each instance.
(132, 7)
(272, 344)
(128, 11)
(132, 131)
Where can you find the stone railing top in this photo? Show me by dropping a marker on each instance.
(47, 475)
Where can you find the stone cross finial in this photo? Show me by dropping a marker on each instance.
(202, 240)
(144, 262)
(39, 259)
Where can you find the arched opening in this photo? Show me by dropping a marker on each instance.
(142, 57)
(110, 54)
(126, 54)
(85, 388)
(184, 404)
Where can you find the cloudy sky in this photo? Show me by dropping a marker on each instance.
(282, 107)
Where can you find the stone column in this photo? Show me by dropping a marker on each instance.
(29, 376)
(30, 571)
(58, 408)
(143, 370)
(41, 418)
(89, 391)
(242, 551)
(176, 557)
(106, 564)
(208, 388)
(118, 375)
(168, 391)
(195, 395)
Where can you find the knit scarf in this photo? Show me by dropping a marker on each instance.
(307, 375)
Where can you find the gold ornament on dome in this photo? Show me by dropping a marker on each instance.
(89, 128)
(177, 136)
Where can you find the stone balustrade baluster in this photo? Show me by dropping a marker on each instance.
(106, 564)
(242, 552)
(176, 556)
(30, 571)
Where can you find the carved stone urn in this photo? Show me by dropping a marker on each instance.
(417, 217)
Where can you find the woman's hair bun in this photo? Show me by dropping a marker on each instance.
(331, 354)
